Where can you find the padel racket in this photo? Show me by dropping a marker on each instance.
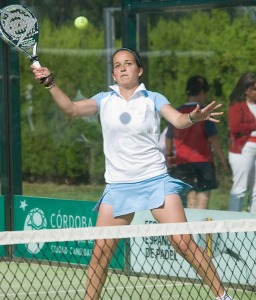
(19, 29)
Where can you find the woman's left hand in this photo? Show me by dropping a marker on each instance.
(207, 113)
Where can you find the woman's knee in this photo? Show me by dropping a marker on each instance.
(103, 251)
(183, 244)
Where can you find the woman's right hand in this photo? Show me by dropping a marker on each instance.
(40, 73)
(44, 75)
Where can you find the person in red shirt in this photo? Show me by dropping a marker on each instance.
(194, 159)
(242, 148)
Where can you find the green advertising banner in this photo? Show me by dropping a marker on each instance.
(31, 213)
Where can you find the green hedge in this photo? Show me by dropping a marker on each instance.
(218, 44)
(60, 148)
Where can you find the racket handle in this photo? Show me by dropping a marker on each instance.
(36, 64)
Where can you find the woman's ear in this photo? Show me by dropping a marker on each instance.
(140, 72)
(113, 77)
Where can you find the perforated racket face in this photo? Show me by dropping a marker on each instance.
(19, 26)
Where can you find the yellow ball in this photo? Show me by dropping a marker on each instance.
(81, 22)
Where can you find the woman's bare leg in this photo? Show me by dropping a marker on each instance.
(203, 199)
(199, 200)
(191, 199)
(102, 252)
(173, 212)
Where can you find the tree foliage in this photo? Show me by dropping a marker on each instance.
(217, 44)
(65, 11)
(67, 147)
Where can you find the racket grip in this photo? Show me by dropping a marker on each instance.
(35, 61)
(36, 64)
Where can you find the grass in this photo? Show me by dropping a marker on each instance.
(63, 191)
(219, 197)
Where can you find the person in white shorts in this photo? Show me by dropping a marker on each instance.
(242, 146)
(136, 174)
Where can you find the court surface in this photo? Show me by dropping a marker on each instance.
(36, 281)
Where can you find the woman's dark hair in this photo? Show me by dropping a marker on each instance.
(245, 81)
(196, 84)
(135, 54)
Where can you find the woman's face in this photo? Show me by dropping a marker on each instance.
(251, 94)
(126, 73)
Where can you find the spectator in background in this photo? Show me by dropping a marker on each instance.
(242, 149)
(194, 159)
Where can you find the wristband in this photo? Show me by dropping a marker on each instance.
(169, 155)
(191, 120)
(50, 85)
(48, 81)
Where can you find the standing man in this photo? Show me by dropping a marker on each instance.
(194, 159)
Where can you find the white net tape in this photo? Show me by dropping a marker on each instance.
(92, 233)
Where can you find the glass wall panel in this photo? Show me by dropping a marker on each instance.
(62, 157)
(218, 44)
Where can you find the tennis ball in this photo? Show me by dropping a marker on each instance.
(81, 22)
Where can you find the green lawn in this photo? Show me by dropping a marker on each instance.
(63, 191)
(219, 197)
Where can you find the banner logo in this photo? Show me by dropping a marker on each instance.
(35, 220)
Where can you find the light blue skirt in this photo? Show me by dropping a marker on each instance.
(144, 195)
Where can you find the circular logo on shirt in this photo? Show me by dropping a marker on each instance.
(125, 118)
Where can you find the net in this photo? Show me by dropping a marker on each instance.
(53, 263)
